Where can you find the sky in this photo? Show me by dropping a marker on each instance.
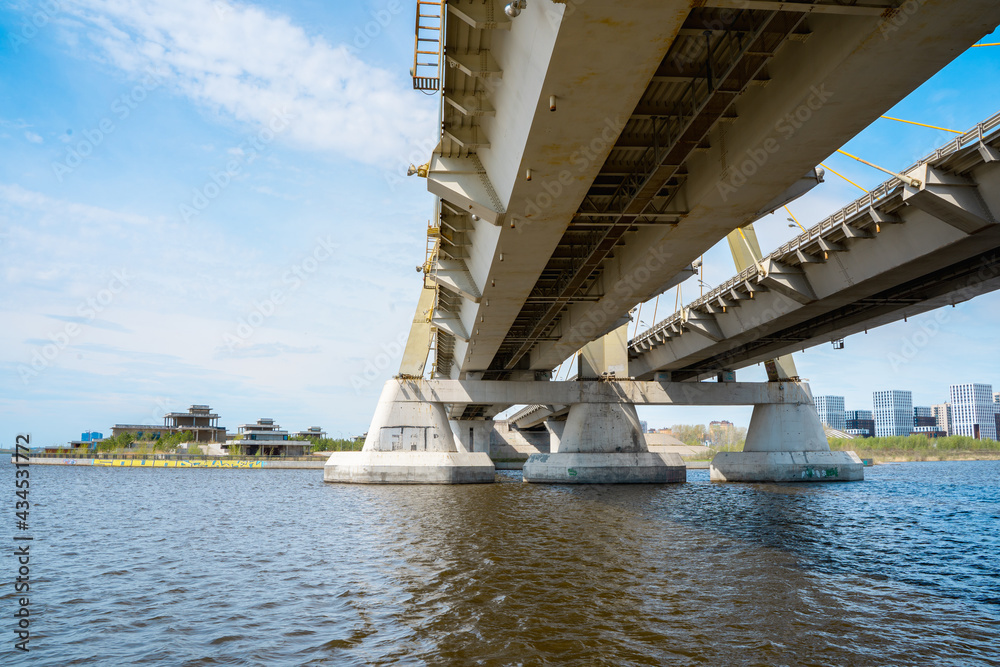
(205, 202)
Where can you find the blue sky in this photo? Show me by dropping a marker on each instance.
(204, 202)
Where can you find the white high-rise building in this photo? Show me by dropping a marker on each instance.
(972, 411)
(893, 413)
(942, 417)
(831, 411)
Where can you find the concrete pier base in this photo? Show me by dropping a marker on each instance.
(786, 443)
(410, 442)
(786, 467)
(409, 468)
(605, 468)
(602, 443)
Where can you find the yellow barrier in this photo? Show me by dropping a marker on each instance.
(165, 463)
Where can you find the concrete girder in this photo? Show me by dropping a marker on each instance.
(883, 218)
(830, 246)
(545, 393)
(988, 153)
(480, 65)
(703, 323)
(471, 137)
(473, 105)
(952, 199)
(788, 280)
(736, 296)
(805, 258)
(865, 9)
(464, 183)
(548, 51)
(852, 232)
(451, 324)
(454, 275)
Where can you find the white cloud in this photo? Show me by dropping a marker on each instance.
(32, 137)
(247, 64)
(55, 210)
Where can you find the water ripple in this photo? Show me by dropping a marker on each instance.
(191, 567)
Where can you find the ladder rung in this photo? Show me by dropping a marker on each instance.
(427, 27)
(428, 53)
(428, 16)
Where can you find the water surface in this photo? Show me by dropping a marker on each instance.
(253, 567)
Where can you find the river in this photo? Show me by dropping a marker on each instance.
(254, 567)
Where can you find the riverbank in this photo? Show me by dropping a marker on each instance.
(244, 463)
(177, 461)
(891, 456)
(900, 449)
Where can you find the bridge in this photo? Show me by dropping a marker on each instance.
(921, 241)
(590, 152)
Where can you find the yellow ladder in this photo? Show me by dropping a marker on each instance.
(426, 70)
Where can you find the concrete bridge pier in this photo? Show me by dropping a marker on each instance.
(602, 443)
(409, 442)
(786, 443)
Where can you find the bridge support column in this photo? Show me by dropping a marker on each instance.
(555, 430)
(786, 443)
(409, 442)
(602, 443)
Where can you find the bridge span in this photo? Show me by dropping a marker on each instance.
(590, 152)
(913, 244)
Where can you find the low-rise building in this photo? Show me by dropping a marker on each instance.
(311, 432)
(141, 431)
(199, 420)
(265, 438)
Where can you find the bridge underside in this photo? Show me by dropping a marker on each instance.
(590, 152)
(897, 252)
(673, 123)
